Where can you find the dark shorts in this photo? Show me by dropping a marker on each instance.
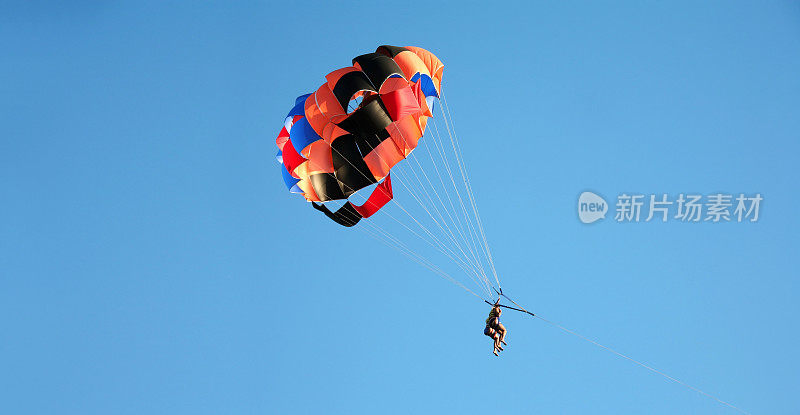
(488, 331)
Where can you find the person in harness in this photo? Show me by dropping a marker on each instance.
(495, 329)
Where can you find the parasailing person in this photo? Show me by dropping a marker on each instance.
(496, 330)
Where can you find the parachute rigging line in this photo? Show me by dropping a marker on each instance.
(468, 218)
(478, 269)
(455, 259)
(442, 247)
(479, 266)
(465, 176)
(416, 257)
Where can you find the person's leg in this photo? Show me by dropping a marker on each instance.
(496, 338)
(501, 330)
(492, 333)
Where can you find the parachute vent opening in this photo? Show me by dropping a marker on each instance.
(354, 103)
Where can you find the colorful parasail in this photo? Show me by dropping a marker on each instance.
(348, 134)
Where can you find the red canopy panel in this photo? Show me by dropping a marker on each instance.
(379, 197)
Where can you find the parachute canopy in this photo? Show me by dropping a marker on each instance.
(349, 133)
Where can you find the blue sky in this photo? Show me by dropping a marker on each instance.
(152, 261)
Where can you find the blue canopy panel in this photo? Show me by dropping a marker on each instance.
(301, 135)
(301, 98)
(291, 182)
(299, 106)
(426, 85)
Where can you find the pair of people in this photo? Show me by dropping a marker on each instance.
(495, 329)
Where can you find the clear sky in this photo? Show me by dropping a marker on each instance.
(152, 262)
